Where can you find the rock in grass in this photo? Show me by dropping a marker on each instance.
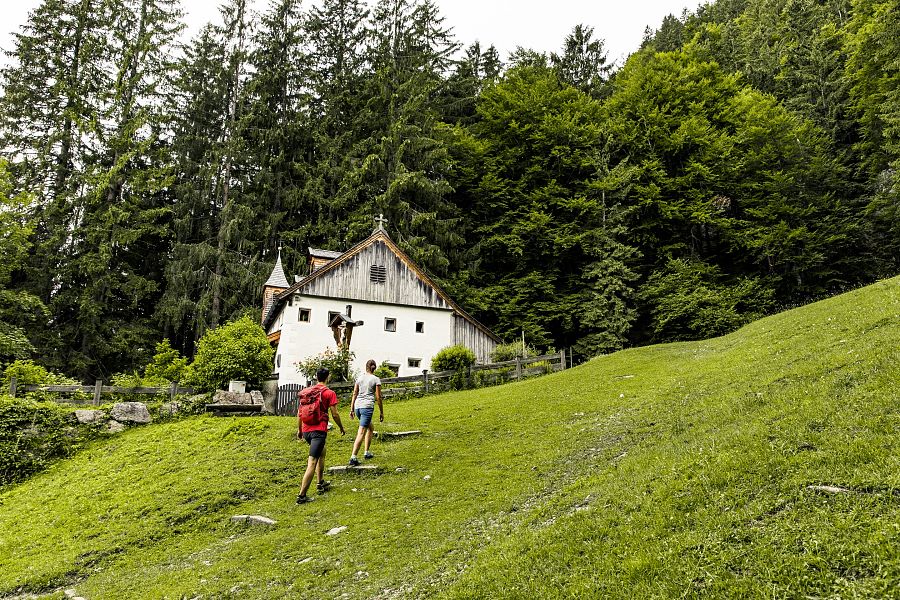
(89, 416)
(115, 427)
(336, 530)
(130, 412)
(828, 489)
(253, 520)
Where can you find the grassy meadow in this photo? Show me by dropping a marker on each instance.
(680, 470)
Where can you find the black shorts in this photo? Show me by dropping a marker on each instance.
(316, 441)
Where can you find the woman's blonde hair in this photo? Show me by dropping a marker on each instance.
(371, 365)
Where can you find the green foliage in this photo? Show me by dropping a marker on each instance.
(336, 361)
(18, 308)
(238, 350)
(167, 364)
(27, 372)
(454, 358)
(510, 351)
(384, 371)
(691, 300)
(34, 434)
(14, 345)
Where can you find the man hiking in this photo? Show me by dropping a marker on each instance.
(366, 393)
(312, 426)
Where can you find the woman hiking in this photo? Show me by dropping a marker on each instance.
(366, 393)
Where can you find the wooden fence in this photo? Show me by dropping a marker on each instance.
(439, 381)
(96, 390)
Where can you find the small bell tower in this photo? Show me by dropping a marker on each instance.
(274, 285)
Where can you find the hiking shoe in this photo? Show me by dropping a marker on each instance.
(323, 486)
(368, 455)
(354, 462)
(303, 499)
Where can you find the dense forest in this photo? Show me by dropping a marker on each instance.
(744, 159)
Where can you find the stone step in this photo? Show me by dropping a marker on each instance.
(349, 469)
(396, 435)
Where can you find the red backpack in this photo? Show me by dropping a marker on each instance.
(312, 413)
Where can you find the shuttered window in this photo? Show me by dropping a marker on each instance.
(377, 274)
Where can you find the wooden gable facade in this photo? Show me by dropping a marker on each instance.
(377, 271)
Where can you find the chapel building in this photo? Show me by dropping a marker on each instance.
(372, 297)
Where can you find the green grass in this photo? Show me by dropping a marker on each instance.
(669, 471)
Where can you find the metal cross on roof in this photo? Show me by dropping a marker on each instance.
(381, 221)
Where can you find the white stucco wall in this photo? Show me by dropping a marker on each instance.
(301, 340)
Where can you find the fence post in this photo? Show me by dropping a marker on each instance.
(12, 387)
(173, 389)
(562, 359)
(98, 387)
(425, 380)
(518, 368)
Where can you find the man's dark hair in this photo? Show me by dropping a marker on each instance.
(322, 374)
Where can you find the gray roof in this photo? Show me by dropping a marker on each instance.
(278, 278)
(318, 253)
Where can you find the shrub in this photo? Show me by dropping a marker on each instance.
(336, 361)
(27, 372)
(130, 380)
(504, 352)
(454, 358)
(34, 434)
(167, 364)
(384, 371)
(237, 350)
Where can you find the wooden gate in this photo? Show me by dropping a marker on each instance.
(286, 403)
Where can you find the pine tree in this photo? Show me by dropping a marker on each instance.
(213, 267)
(338, 36)
(276, 132)
(403, 162)
(582, 63)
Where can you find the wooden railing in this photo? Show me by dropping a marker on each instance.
(96, 390)
(475, 376)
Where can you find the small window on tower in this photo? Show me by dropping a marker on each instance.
(414, 362)
(377, 274)
(303, 316)
(390, 324)
(278, 361)
(420, 327)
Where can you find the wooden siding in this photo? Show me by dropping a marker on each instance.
(350, 280)
(466, 333)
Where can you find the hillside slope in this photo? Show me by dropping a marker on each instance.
(675, 470)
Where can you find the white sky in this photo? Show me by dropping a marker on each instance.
(538, 24)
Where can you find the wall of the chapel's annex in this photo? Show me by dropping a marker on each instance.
(301, 340)
(469, 335)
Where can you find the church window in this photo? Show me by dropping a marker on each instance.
(278, 361)
(390, 324)
(414, 362)
(377, 274)
(420, 327)
(303, 315)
